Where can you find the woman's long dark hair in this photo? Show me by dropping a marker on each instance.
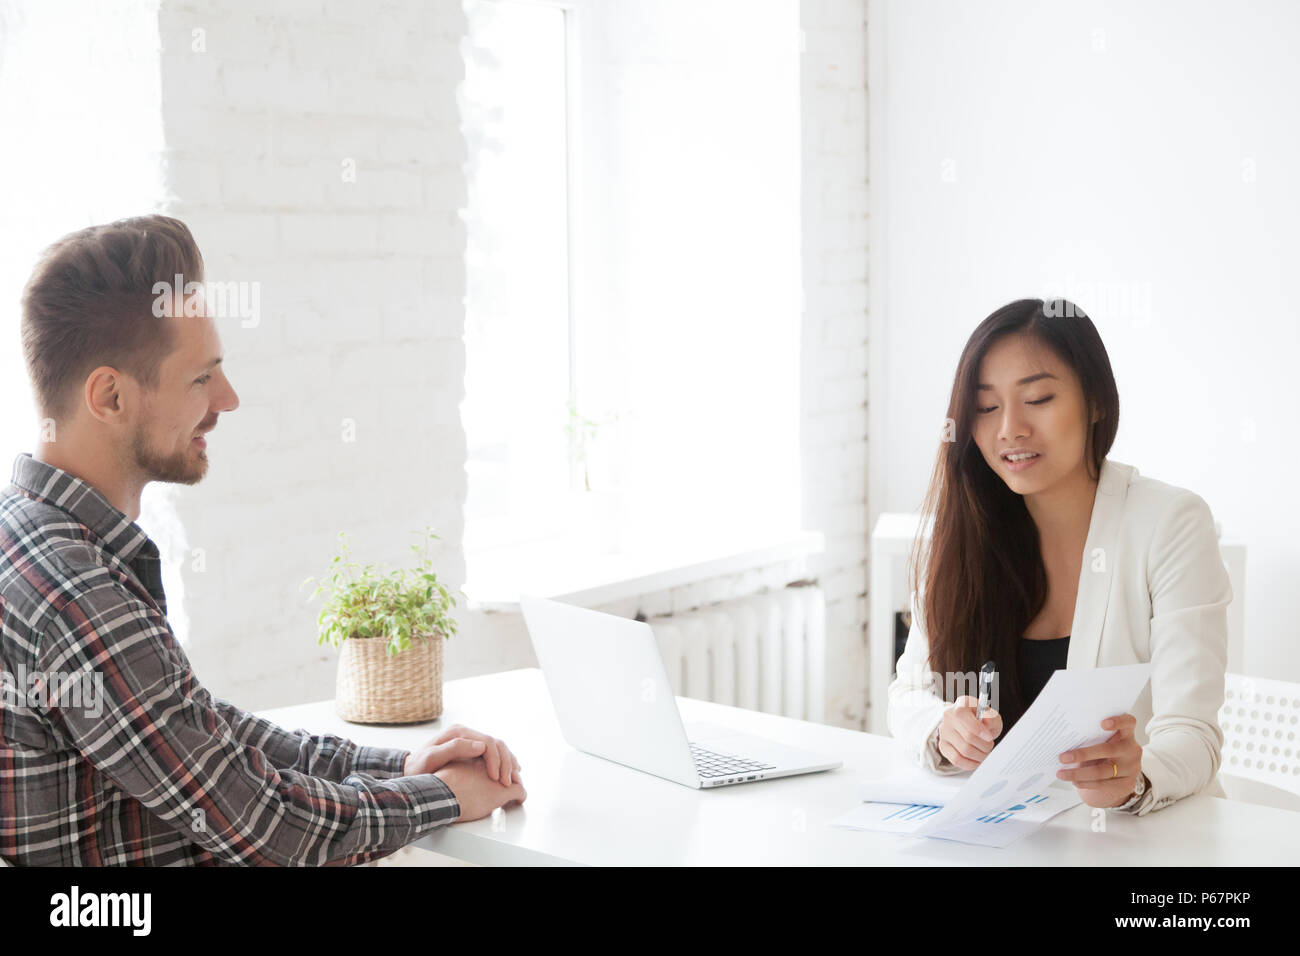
(984, 579)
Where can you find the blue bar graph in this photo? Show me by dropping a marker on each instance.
(913, 811)
(1009, 812)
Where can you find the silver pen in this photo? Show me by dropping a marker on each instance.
(986, 678)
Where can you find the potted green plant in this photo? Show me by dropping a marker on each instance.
(389, 627)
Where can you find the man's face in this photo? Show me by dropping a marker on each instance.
(167, 443)
(1046, 415)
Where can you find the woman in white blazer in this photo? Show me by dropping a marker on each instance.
(1065, 542)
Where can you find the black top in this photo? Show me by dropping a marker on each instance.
(1036, 661)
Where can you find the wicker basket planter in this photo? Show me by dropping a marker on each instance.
(375, 687)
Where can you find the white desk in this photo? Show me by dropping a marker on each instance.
(584, 810)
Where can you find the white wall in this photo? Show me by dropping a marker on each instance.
(833, 420)
(1138, 158)
(360, 333)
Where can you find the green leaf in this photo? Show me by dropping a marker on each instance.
(370, 602)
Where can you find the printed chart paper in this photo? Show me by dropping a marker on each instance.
(1066, 715)
(1014, 820)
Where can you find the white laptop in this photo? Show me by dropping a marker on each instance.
(613, 700)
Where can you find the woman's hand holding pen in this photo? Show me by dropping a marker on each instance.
(1105, 774)
(965, 740)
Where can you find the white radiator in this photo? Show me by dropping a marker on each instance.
(763, 652)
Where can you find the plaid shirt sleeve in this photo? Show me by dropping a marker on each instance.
(161, 739)
(320, 755)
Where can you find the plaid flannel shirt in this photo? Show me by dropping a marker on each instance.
(154, 770)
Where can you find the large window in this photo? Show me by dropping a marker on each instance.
(517, 330)
(81, 146)
(633, 299)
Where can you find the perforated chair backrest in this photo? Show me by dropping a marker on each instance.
(1260, 719)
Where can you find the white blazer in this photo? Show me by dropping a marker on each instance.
(1153, 588)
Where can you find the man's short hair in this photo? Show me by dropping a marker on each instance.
(89, 302)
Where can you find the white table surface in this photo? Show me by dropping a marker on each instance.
(584, 810)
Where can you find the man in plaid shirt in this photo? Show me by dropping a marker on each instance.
(111, 751)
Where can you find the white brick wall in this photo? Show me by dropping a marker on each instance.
(834, 420)
(361, 287)
(361, 321)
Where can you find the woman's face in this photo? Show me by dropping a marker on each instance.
(1028, 400)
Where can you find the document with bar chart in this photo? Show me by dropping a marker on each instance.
(1015, 790)
(999, 828)
(1066, 715)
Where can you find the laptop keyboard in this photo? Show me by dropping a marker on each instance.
(710, 764)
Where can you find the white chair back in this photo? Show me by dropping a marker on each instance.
(1260, 719)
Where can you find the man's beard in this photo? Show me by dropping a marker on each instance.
(179, 468)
